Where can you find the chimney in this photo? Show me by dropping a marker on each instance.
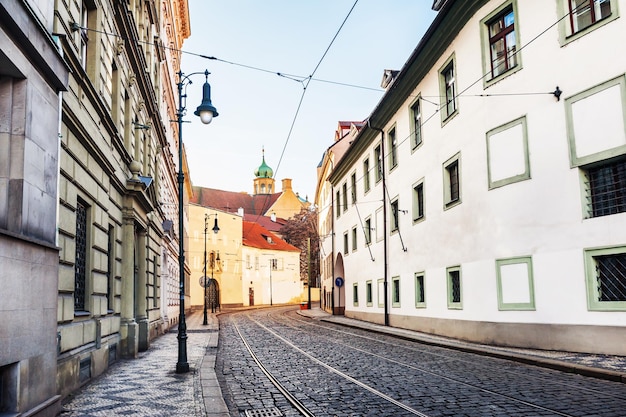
(273, 217)
(286, 184)
(240, 211)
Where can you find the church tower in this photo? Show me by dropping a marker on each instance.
(263, 181)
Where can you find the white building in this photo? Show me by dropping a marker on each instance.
(271, 268)
(494, 207)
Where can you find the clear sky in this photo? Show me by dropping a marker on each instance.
(257, 107)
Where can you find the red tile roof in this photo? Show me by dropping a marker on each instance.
(256, 236)
(230, 201)
(266, 222)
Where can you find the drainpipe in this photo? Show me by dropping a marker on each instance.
(385, 243)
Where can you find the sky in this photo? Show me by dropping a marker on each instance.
(253, 41)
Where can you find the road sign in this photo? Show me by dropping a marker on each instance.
(339, 282)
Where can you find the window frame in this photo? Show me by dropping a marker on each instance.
(454, 305)
(417, 133)
(353, 187)
(566, 30)
(516, 178)
(530, 305)
(380, 295)
(589, 205)
(354, 238)
(346, 245)
(575, 160)
(394, 215)
(593, 304)
(338, 207)
(369, 298)
(486, 43)
(417, 277)
(81, 267)
(418, 211)
(367, 230)
(344, 197)
(355, 294)
(448, 183)
(378, 174)
(395, 292)
(449, 64)
(392, 141)
(366, 175)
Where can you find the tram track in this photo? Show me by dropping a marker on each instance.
(279, 325)
(331, 328)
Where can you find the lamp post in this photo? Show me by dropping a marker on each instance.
(215, 230)
(206, 112)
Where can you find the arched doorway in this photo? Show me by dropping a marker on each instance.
(339, 292)
(213, 295)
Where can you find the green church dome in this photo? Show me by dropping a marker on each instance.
(264, 171)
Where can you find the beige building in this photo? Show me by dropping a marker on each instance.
(117, 230)
(33, 76)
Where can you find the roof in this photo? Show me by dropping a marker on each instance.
(231, 201)
(257, 236)
(265, 221)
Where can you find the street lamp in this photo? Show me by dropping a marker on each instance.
(215, 230)
(206, 112)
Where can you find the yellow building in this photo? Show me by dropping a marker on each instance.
(222, 246)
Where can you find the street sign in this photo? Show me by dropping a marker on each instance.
(339, 282)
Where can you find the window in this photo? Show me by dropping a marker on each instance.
(515, 284)
(418, 201)
(274, 264)
(338, 203)
(395, 292)
(256, 263)
(606, 279)
(393, 149)
(454, 288)
(355, 294)
(395, 219)
(366, 175)
(606, 189)
(502, 42)
(368, 293)
(345, 243)
(452, 182)
(344, 201)
(111, 269)
(416, 124)
(248, 266)
(84, 34)
(584, 16)
(378, 175)
(354, 233)
(447, 85)
(584, 13)
(368, 230)
(420, 291)
(353, 187)
(80, 265)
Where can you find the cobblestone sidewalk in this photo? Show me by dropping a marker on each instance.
(149, 385)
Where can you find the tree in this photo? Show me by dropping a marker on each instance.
(296, 232)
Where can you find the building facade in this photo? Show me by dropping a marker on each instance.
(497, 158)
(33, 76)
(324, 201)
(117, 188)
